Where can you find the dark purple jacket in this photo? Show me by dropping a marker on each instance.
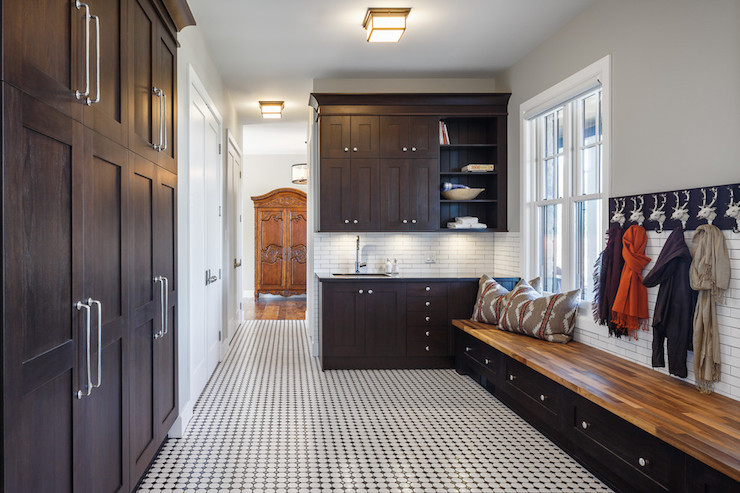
(611, 271)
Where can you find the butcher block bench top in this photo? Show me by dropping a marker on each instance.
(707, 427)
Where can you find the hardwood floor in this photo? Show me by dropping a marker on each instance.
(269, 307)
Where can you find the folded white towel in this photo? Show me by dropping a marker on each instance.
(458, 226)
(466, 220)
(479, 226)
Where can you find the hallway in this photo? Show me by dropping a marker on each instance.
(270, 420)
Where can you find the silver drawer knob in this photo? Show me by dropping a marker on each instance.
(361, 291)
(512, 378)
(643, 462)
(413, 221)
(346, 221)
(426, 333)
(355, 221)
(405, 149)
(346, 149)
(369, 291)
(543, 397)
(427, 303)
(427, 348)
(427, 318)
(413, 149)
(354, 149)
(405, 221)
(585, 425)
(427, 288)
(487, 361)
(468, 349)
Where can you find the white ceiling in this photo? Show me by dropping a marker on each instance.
(273, 49)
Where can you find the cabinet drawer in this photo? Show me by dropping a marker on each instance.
(426, 289)
(645, 458)
(534, 385)
(427, 303)
(420, 333)
(428, 348)
(427, 318)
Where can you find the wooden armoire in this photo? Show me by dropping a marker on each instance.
(280, 242)
(89, 215)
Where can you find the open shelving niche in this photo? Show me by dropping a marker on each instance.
(475, 140)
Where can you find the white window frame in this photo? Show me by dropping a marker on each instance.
(588, 79)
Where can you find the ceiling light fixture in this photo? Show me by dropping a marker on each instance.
(299, 173)
(385, 25)
(272, 109)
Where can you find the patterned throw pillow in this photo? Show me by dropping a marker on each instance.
(488, 304)
(551, 318)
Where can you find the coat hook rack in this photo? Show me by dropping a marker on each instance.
(718, 205)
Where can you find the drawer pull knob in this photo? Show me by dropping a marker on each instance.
(361, 291)
(643, 462)
(405, 149)
(427, 348)
(405, 221)
(585, 425)
(543, 397)
(488, 361)
(427, 333)
(427, 288)
(427, 319)
(468, 349)
(427, 303)
(355, 221)
(413, 149)
(346, 149)
(354, 149)
(369, 291)
(512, 378)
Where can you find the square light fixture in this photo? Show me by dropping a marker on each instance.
(272, 109)
(299, 173)
(385, 25)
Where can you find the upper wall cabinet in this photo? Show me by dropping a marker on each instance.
(350, 137)
(409, 136)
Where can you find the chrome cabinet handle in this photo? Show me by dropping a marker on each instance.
(158, 92)
(413, 221)
(585, 425)
(346, 221)
(427, 303)
(167, 305)
(468, 349)
(426, 333)
(428, 288)
(91, 302)
(361, 291)
(427, 319)
(355, 221)
(354, 149)
(405, 221)
(405, 149)
(512, 377)
(427, 348)
(487, 361)
(413, 149)
(346, 149)
(369, 291)
(89, 101)
(164, 121)
(543, 397)
(80, 305)
(80, 6)
(160, 280)
(643, 462)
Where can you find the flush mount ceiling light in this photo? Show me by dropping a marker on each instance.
(385, 25)
(299, 173)
(272, 109)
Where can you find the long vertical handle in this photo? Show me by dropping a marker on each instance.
(166, 305)
(91, 302)
(80, 6)
(163, 121)
(158, 92)
(80, 305)
(90, 102)
(160, 280)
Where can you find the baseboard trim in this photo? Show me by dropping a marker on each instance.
(182, 421)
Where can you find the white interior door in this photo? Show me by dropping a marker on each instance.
(234, 238)
(205, 196)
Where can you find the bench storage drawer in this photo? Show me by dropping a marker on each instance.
(427, 304)
(426, 289)
(535, 391)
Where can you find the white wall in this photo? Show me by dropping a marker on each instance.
(675, 98)
(261, 174)
(675, 124)
(192, 51)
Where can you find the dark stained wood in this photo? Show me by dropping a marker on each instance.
(165, 78)
(706, 427)
(410, 104)
(364, 136)
(394, 132)
(394, 195)
(409, 137)
(335, 137)
(365, 183)
(342, 313)
(336, 195)
(280, 242)
(423, 194)
(180, 13)
(143, 47)
(383, 323)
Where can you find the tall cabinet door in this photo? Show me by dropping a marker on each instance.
(423, 137)
(335, 140)
(423, 194)
(143, 34)
(297, 250)
(44, 334)
(365, 187)
(44, 51)
(384, 323)
(394, 195)
(105, 280)
(108, 115)
(271, 245)
(165, 80)
(165, 259)
(336, 195)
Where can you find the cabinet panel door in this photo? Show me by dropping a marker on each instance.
(44, 51)
(364, 136)
(270, 249)
(335, 195)
(165, 258)
(105, 463)
(384, 323)
(423, 137)
(394, 195)
(143, 29)
(334, 140)
(42, 168)
(423, 194)
(165, 78)
(109, 116)
(341, 321)
(365, 189)
(394, 136)
(296, 263)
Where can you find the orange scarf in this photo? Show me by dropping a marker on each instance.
(630, 309)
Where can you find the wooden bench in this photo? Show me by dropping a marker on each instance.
(635, 428)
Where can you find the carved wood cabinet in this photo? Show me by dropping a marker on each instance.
(280, 242)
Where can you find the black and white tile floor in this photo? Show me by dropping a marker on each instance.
(271, 421)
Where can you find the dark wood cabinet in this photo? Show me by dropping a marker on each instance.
(383, 320)
(349, 191)
(409, 137)
(408, 198)
(350, 137)
(280, 242)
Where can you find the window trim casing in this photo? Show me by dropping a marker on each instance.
(583, 81)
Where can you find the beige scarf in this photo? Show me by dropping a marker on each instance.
(710, 275)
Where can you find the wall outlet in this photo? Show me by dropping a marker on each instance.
(430, 259)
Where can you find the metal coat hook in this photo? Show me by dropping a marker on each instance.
(733, 210)
(658, 212)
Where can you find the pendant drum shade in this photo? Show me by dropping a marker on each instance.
(299, 173)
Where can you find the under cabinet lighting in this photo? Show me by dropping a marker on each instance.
(385, 25)
(299, 173)
(272, 109)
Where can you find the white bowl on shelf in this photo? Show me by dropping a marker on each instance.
(462, 193)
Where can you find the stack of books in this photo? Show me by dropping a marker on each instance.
(444, 136)
(478, 168)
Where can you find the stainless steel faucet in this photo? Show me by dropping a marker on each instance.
(358, 265)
